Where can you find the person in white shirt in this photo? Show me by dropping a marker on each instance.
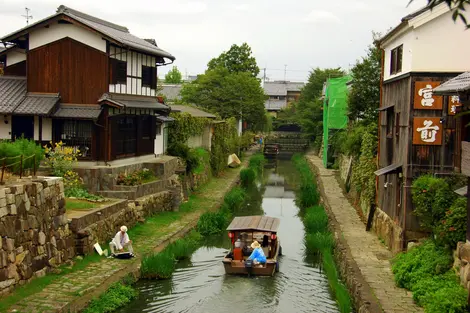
(120, 241)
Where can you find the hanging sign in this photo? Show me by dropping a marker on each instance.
(427, 131)
(453, 103)
(424, 99)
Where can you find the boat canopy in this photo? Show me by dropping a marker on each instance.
(254, 223)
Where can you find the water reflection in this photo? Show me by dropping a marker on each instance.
(200, 284)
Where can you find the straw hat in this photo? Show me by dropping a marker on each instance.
(255, 245)
(124, 229)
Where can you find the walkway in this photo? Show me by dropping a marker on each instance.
(71, 292)
(372, 258)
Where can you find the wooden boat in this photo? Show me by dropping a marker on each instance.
(271, 150)
(248, 229)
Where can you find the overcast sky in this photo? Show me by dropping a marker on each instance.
(301, 34)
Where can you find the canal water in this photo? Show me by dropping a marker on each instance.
(200, 284)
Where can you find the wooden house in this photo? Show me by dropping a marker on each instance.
(89, 83)
(417, 129)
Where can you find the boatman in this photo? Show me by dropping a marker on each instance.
(120, 241)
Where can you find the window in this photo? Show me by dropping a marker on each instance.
(390, 122)
(149, 77)
(396, 59)
(78, 135)
(118, 71)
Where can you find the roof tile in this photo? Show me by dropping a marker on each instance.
(37, 104)
(12, 92)
(91, 112)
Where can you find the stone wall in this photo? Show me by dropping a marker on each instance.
(387, 230)
(462, 263)
(98, 178)
(35, 234)
(101, 226)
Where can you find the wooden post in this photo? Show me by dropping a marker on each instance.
(21, 166)
(370, 218)
(3, 170)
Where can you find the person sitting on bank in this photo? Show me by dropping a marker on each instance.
(257, 255)
(121, 240)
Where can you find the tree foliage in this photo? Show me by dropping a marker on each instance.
(230, 95)
(364, 97)
(238, 59)
(174, 76)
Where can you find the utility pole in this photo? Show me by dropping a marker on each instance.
(264, 75)
(27, 16)
(285, 70)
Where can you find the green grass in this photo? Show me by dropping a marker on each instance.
(38, 284)
(247, 176)
(234, 199)
(158, 265)
(118, 295)
(257, 162)
(316, 220)
(182, 248)
(319, 242)
(80, 205)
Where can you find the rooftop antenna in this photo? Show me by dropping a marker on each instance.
(27, 16)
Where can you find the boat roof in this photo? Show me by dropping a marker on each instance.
(260, 222)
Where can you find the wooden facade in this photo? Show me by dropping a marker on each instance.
(77, 71)
(18, 69)
(416, 140)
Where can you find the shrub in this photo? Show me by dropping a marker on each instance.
(189, 156)
(319, 242)
(211, 223)
(247, 176)
(257, 162)
(115, 297)
(452, 227)
(72, 181)
(451, 299)
(426, 287)
(316, 220)
(363, 176)
(60, 158)
(136, 178)
(81, 193)
(158, 265)
(420, 262)
(181, 249)
(247, 139)
(204, 162)
(431, 198)
(307, 196)
(234, 199)
(13, 151)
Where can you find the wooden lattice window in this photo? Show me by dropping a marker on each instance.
(118, 71)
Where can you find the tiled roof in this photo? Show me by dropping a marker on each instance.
(455, 85)
(274, 105)
(136, 102)
(280, 88)
(163, 118)
(171, 92)
(191, 110)
(37, 104)
(12, 92)
(89, 112)
(118, 33)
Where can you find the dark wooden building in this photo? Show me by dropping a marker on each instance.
(417, 129)
(89, 83)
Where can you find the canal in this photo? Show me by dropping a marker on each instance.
(200, 284)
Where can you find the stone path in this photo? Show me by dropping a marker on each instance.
(70, 292)
(372, 258)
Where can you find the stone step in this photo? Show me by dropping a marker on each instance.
(119, 194)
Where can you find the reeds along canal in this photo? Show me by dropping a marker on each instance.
(199, 284)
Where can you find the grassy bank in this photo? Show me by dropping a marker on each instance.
(319, 242)
(118, 295)
(427, 271)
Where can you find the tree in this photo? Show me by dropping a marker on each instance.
(309, 112)
(229, 95)
(174, 76)
(237, 59)
(458, 7)
(364, 97)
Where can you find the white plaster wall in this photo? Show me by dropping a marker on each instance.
(56, 31)
(15, 56)
(5, 129)
(407, 42)
(46, 129)
(441, 46)
(195, 141)
(134, 68)
(159, 142)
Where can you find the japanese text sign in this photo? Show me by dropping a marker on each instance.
(453, 103)
(424, 99)
(427, 131)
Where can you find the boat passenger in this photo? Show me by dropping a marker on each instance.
(257, 255)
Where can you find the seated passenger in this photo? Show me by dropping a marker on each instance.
(257, 255)
(265, 245)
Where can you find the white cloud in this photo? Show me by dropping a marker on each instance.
(242, 7)
(321, 16)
